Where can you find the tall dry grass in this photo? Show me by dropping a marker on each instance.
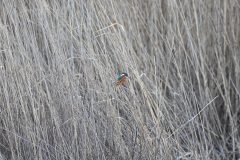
(60, 59)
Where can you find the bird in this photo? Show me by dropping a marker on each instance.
(122, 79)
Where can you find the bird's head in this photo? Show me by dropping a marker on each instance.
(123, 74)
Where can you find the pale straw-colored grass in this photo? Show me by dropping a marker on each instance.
(59, 62)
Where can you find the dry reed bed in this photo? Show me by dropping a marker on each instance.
(60, 59)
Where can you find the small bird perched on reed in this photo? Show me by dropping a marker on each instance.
(122, 79)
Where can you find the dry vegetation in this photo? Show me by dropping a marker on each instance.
(60, 59)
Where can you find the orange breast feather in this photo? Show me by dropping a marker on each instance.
(122, 81)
